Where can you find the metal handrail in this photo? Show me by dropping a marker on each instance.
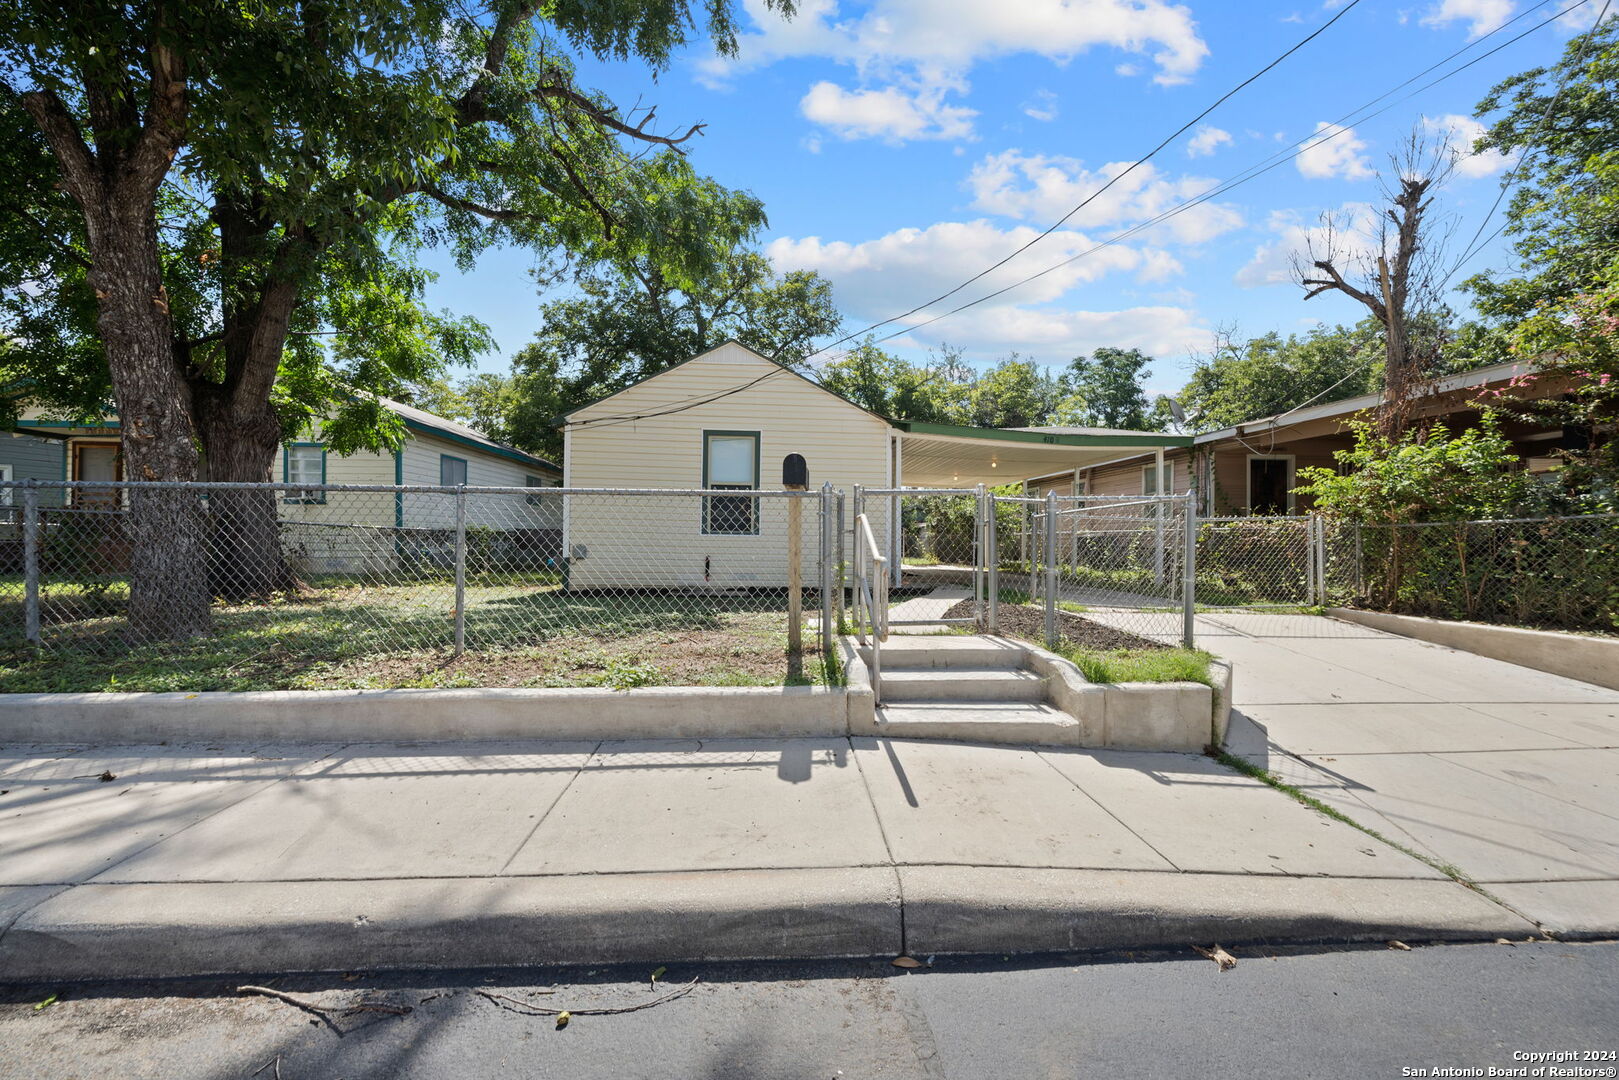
(870, 598)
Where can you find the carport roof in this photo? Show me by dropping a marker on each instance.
(949, 455)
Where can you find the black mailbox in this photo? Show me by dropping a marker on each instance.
(794, 471)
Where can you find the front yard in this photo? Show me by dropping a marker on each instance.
(348, 636)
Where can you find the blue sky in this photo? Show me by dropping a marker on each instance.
(901, 146)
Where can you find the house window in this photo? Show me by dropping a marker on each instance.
(5, 493)
(452, 471)
(535, 482)
(1149, 478)
(304, 463)
(731, 463)
(1270, 484)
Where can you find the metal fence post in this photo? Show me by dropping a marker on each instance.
(1321, 557)
(826, 572)
(992, 549)
(839, 569)
(1051, 569)
(1189, 574)
(979, 566)
(30, 561)
(460, 569)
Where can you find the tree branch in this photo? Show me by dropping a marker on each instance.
(45, 232)
(454, 203)
(604, 118)
(74, 157)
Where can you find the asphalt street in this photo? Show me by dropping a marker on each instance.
(1282, 1012)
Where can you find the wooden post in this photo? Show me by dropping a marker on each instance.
(795, 572)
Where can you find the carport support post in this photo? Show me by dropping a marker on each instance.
(460, 569)
(30, 561)
(1189, 572)
(1051, 569)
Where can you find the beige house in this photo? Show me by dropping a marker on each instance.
(725, 420)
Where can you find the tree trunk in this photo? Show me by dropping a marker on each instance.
(168, 595)
(246, 558)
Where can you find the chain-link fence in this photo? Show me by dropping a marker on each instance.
(1557, 572)
(361, 582)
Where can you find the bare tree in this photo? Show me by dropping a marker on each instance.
(1397, 273)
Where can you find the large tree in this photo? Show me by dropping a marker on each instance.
(287, 154)
(632, 319)
(1105, 390)
(1241, 380)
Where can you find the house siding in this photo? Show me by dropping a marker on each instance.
(840, 443)
(33, 458)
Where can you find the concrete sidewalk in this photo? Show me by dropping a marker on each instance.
(213, 859)
(1508, 774)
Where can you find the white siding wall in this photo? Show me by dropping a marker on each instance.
(421, 466)
(659, 541)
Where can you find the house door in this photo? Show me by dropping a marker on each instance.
(1268, 484)
(97, 461)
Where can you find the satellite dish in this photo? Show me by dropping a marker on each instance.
(1177, 411)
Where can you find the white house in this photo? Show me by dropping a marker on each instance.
(725, 420)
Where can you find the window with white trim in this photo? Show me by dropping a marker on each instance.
(1149, 478)
(305, 463)
(731, 463)
(452, 471)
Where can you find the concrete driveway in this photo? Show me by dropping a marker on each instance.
(1507, 774)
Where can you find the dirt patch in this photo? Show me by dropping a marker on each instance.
(1029, 623)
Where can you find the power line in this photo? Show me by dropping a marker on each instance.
(1093, 196)
(1506, 182)
(1242, 177)
(1253, 172)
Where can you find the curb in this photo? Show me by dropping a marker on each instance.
(95, 932)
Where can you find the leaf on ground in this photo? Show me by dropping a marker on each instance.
(107, 777)
(907, 962)
(562, 1019)
(1218, 955)
(1402, 946)
(47, 1003)
(657, 973)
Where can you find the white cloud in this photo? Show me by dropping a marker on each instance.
(875, 279)
(1460, 133)
(1043, 106)
(1207, 140)
(1336, 154)
(1356, 234)
(889, 114)
(918, 48)
(1481, 15)
(954, 34)
(1041, 188)
(1126, 70)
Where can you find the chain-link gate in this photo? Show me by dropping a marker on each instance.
(935, 542)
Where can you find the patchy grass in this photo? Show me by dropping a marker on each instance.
(1142, 665)
(347, 636)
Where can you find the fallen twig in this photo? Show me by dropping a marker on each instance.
(538, 1010)
(325, 1012)
(276, 1061)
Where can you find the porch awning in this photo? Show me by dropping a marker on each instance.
(945, 455)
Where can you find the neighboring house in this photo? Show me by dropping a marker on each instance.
(726, 419)
(1253, 467)
(345, 530)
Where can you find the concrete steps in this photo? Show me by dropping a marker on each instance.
(1032, 723)
(961, 684)
(965, 688)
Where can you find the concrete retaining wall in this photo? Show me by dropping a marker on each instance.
(408, 715)
(1574, 656)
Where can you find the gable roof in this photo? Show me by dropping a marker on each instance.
(562, 421)
(420, 420)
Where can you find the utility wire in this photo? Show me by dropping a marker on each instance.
(1474, 246)
(1252, 172)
